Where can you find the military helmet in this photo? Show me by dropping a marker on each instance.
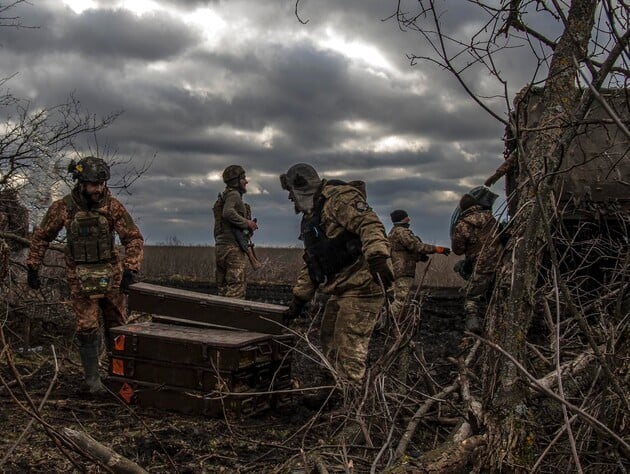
(233, 172)
(301, 176)
(89, 169)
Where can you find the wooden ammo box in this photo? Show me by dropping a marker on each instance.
(198, 370)
(216, 311)
(262, 377)
(217, 349)
(190, 402)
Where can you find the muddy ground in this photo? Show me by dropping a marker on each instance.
(160, 441)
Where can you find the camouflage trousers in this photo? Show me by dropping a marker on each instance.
(478, 293)
(345, 332)
(231, 263)
(112, 307)
(402, 286)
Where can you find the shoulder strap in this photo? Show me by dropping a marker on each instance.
(70, 204)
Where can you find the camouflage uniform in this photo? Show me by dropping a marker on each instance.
(407, 249)
(475, 236)
(231, 261)
(113, 304)
(355, 298)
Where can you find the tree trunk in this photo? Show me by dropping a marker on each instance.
(515, 296)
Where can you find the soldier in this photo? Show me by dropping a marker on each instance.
(231, 214)
(475, 235)
(98, 278)
(347, 256)
(407, 249)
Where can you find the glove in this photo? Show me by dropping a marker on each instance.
(381, 271)
(424, 257)
(129, 277)
(443, 250)
(32, 278)
(294, 309)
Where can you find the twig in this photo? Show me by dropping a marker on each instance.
(574, 452)
(41, 405)
(590, 419)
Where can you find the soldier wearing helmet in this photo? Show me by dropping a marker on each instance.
(346, 256)
(97, 275)
(407, 249)
(231, 214)
(475, 235)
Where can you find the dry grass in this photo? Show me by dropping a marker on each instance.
(281, 265)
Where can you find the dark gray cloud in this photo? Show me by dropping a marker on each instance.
(98, 34)
(260, 89)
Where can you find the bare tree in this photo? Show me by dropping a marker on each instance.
(562, 287)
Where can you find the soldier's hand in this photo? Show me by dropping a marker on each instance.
(129, 277)
(294, 309)
(443, 250)
(381, 270)
(252, 225)
(32, 278)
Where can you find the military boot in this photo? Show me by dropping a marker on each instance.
(325, 398)
(88, 350)
(473, 323)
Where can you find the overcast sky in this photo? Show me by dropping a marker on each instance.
(204, 84)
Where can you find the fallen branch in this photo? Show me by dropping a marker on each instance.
(29, 376)
(107, 456)
(595, 423)
(41, 405)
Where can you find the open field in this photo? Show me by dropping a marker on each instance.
(281, 266)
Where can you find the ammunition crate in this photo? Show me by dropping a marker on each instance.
(216, 349)
(216, 311)
(263, 377)
(189, 402)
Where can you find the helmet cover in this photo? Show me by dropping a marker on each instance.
(232, 173)
(89, 169)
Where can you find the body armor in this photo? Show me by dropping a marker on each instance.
(91, 246)
(325, 257)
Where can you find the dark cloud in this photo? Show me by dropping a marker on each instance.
(102, 34)
(268, 93)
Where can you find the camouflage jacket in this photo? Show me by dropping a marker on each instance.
(345, 208)
(234, 213)
(59, 216)
(475, 235)
(407, 249)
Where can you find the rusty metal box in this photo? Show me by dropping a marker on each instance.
(216, 349)
(211, 310)
(190, 402)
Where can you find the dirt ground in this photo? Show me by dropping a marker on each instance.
(280, 440)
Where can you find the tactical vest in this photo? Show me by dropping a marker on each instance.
(91, 246)
(325, 257)
(89, 237)
(217, 210)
